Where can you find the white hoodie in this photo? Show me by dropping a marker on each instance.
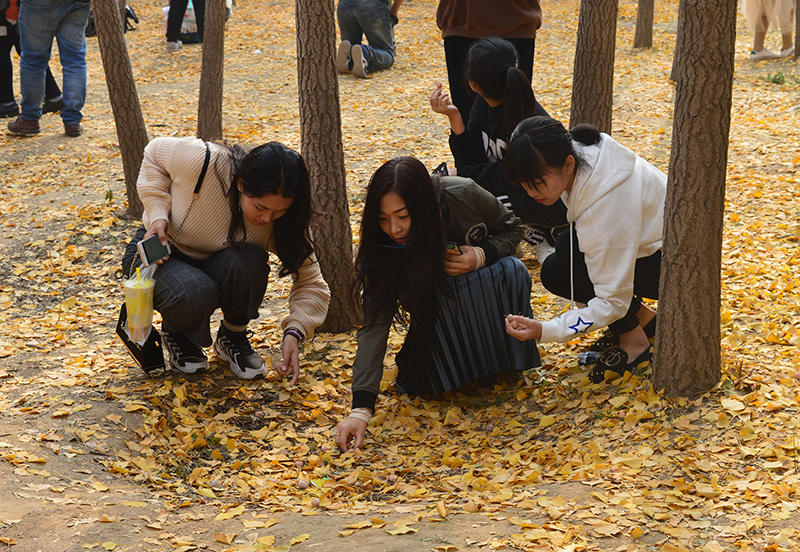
(617, 207)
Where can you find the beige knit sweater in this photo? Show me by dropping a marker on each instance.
(169, 173)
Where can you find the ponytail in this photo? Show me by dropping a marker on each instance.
(518, 99)
(492, 64)
(540, 144)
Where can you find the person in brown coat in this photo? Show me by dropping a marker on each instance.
(463, 22)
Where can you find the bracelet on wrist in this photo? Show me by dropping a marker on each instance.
(294, 332)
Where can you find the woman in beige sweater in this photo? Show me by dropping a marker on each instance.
(222, 226)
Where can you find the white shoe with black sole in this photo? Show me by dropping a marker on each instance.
(235, 348)
(184, 356)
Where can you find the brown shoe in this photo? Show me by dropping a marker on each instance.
(73, 130)
(23, 127)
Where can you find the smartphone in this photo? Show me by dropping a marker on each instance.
(453, 249)
(441, 170)
(151, 250)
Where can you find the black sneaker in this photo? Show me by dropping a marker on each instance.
(235, 347)
(11, 110)
(53, 106)
(184, 355)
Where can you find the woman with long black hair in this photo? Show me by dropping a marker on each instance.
(224, 211)
(437, 256)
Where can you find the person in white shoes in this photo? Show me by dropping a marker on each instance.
(370, 19)
(223, 212)
(759, 15)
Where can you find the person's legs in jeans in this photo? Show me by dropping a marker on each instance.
(51, 89)
(373, 17)
(71, 37)
(38, 21)
(349, 28)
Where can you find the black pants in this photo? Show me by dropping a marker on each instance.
(177, 9)
(188, 291)
(51, 89)
(455, 54)
(556, 278)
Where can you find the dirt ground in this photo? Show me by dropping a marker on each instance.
(71, 403)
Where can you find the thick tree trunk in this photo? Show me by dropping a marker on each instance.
(644, 24)
(131, 130)
(687, 359)
(209, 107)
(796, 29)
(321, 130)
(593, 75)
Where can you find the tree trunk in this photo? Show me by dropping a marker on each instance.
(680, 48)
(321, 136)
(796, 29)
(687, 359)
(131, 130)
(593, 75)
(644, 25)
(209, 107)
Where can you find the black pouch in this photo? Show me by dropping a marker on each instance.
(150, 356)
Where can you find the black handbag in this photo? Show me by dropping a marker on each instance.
(150, 356)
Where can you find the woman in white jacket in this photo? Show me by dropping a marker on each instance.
(615, 204)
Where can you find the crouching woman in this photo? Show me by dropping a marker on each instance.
(224, 212)
(438, 257)
(611, 257)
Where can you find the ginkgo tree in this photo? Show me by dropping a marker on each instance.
(687, 356)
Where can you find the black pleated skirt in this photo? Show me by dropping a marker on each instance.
(468, 339)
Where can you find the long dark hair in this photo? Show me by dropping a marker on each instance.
(540, 144)
(492, 64)
(273, 168)
(390, 276)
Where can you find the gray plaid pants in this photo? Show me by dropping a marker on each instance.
(188, 291)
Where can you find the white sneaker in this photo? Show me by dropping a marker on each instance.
(543, 250)
(344, 63)
(184, 355)
(787, 52)
(763, 54)
(237, 350)
(174, 46)
(360, 58)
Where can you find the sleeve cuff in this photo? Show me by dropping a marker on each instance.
(364, 399)
(491, 253)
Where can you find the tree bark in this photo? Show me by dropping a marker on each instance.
(593, 74)
(209, 106)
(687, 358)
(131, 130)
(680, 48)
(644, 24)
(321, 138)
(796, 29)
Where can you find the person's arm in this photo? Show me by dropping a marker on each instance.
(610, 250)
(395, 9)
(367, 374)
(308, 301)
(154, 180)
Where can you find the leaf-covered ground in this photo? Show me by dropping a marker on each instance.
(97, 456)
